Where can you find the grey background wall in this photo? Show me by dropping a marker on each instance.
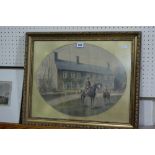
(12, 49)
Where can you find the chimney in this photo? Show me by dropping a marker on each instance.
(55, 56)
(77, 60)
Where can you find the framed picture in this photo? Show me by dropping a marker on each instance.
(11, 81)
(82, 79)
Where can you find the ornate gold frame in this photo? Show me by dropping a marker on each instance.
(135, 37)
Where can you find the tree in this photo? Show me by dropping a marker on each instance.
(120, 79)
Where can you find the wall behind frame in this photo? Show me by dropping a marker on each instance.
(12, 49)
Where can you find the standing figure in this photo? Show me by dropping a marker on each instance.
(106, 96)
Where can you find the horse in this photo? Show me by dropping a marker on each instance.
(90, 92)
(106, 96)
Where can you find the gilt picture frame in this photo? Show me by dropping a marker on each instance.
(82, 79)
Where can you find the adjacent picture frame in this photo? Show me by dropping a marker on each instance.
(11, 84)
(82, 79)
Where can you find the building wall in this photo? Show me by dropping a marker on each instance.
(76, 80)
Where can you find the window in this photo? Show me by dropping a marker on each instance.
(72, 75)
(105, 77)
(64, 75)
(74, 85)
(65, 85)
(78, 75)
(69, 85)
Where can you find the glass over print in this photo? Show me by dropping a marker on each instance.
(82, 81)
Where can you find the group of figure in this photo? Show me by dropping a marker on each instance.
(90, 91)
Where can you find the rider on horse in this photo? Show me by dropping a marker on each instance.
(87, 85)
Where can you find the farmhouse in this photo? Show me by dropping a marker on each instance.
(73, 75)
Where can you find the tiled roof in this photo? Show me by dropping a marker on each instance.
(73, 66)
